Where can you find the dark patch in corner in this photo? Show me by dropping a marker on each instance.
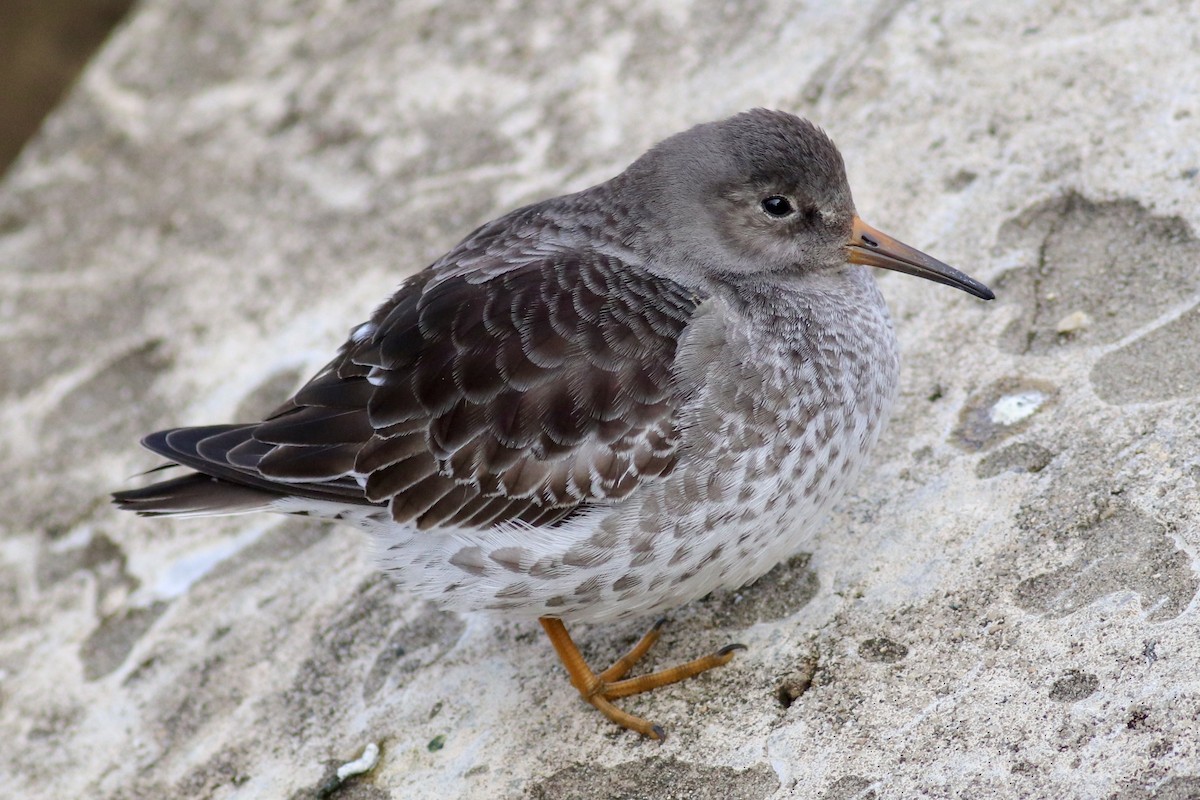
(1179, 787)
(1122, 550)
(1116, 262)
(660, 778)
(1153, 368)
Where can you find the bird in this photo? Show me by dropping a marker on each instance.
(599, 406)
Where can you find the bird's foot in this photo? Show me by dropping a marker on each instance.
(601, 689)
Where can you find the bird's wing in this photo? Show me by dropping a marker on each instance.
(500, 384)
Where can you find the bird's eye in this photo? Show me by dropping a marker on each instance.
(777, 206)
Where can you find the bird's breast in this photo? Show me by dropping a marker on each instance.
(790, 402)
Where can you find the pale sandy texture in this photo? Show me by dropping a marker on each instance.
(1005, 607)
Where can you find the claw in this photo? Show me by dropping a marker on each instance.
(601, 689)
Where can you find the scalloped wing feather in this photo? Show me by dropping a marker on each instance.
(515, 379)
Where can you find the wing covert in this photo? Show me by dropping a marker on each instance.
(509, 392)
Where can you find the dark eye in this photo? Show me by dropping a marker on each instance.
(777, 206)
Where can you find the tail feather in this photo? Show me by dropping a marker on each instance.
(226, 480)
(194, 495)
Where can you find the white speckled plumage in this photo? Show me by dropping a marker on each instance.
(785, 400)
(602, 405)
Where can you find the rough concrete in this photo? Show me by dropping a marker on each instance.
(1005, 607)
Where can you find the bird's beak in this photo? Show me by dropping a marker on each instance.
(871, 248)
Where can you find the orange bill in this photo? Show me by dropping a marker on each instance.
(872, 248)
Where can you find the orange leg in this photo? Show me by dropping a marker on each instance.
(600, 689)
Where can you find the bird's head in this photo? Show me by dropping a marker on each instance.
(764, 192)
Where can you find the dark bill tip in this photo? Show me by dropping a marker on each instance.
(873, 248)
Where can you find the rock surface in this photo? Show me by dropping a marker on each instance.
(1005, 607)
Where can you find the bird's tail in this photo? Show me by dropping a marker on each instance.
(227, 480)
(194, 495)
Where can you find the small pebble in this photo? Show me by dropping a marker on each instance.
(1074, 322)
(365, 763)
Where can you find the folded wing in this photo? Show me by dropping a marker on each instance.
(510, 381)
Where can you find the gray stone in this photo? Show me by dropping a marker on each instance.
(232, 186)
